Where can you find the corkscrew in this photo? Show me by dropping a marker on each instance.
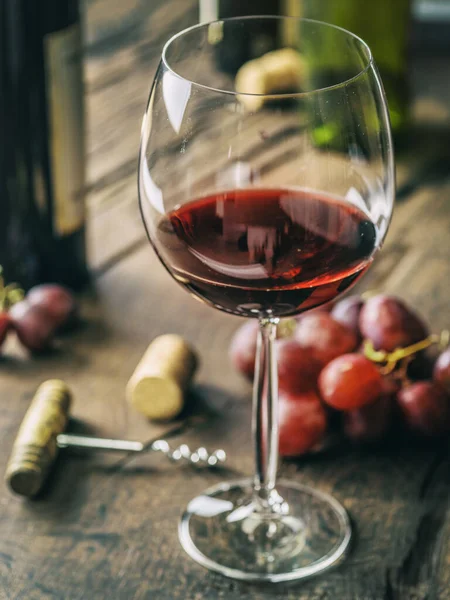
(182, 453)
(41, 436)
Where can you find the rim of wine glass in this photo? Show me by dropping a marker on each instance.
(369, 65)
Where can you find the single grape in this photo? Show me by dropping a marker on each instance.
(58, 301)
(298, 370)
(390, 324)
(425, 407)
(302, 422)
(324, 337)
(5, 324)
(441, 372)
(242, 349)
(350, 381)
(33, 325)
(347, 313)
(327, 308)
(324, 308)
(369, 423)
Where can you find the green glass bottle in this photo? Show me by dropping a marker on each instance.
(384, 26)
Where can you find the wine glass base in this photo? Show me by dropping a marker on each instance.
(227, 531)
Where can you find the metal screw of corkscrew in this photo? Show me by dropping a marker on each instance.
(199, 457)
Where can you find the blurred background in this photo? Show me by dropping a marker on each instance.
(76, 74)
(123, 43)
(86, 66)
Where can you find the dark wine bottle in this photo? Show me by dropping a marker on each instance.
(234, 51)
(42, 218)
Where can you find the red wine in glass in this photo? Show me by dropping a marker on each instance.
(267, 251)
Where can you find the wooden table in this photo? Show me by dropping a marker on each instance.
(105, 528)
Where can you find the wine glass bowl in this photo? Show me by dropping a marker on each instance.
(266, 187)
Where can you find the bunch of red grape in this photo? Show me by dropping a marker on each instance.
(37, 317)
(360, 363)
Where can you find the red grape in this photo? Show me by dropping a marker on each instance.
(347, 312)
(5, 324)
(441, 372)
(425, 407)
(324, 308)
(324, 337)
(243, 348)
(302, 421)
(350, 381)
(369, 423)
(33, 325)
(55, 299)
(390, 324)
(298, 370)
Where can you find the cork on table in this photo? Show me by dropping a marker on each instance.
(106, 527)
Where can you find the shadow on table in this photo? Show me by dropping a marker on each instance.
(204, 422)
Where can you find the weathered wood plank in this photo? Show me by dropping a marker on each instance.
(113, 532)
(118, 82)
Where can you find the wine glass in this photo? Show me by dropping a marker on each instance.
(266, 187)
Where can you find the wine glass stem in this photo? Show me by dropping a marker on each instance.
(265, 412)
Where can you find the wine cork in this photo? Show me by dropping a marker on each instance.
(156, 388)
(35, 447)
(277, 71)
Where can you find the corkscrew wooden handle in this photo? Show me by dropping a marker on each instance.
(35, 447)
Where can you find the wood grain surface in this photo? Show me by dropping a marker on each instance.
(105, 527)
